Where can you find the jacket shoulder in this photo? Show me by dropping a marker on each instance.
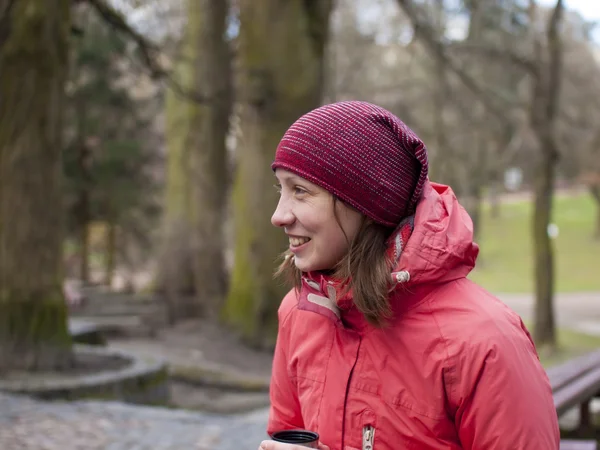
(470, 319)
(477, 322)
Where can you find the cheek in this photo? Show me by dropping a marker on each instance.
(333, 245)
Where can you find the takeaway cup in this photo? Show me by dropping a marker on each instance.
(304, 438)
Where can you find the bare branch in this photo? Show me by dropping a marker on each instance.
(496, 54)
(5, 10)
(150, 53)
(148, 50)
(424, 30)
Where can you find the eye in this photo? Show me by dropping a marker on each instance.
(299, 190)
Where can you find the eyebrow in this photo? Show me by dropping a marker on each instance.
(292, 178)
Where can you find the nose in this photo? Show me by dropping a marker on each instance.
(283, 215)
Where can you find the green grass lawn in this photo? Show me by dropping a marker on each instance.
(505, 261)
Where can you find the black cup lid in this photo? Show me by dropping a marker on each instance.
(295, 436)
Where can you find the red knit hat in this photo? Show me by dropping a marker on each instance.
(362, 154)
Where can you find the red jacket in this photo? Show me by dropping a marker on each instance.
(455, 368)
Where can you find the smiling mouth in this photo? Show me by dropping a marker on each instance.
(298, 241)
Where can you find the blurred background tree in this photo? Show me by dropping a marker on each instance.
(111, 152)
(193, 262)
(173, 111)
(34, 49)
(281, 76)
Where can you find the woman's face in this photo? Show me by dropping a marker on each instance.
(306, 213)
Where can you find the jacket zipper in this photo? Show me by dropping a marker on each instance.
(368, 437)
(348, 390)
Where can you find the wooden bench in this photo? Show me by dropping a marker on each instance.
(574, 384)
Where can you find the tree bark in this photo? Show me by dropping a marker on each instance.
(83, 205)
(477, 163)
(34, 47)
(544, 326)
(544, 107)
(193, 247)
(443, 158)
(84, 214)
(175, 277)
(281, 56)
(476, 202)
(494, 196)
(209, 126)
(595, 191)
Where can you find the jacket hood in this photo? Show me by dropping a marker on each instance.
(441, 246)
(439, 249)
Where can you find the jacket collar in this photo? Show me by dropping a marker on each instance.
(432, 247)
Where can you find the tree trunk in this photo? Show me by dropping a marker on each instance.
(83, 207)
(544, 326)
(495, 206)
(443, 158)
(281, 57)
(475, 209)
(477, 161)
(175, 272)
(110, 252)
(84, 251)
(209, 125)
(34, 40)
(595, 191)
(479, 178)
(544, 107)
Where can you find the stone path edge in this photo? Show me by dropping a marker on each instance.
(144, 380)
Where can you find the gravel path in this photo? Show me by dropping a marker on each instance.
(27, 424)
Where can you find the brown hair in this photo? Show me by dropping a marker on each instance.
(364, 270)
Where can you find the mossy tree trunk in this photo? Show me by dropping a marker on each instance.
(209, 125)
(543, 113)
(544, 326)
(193, 262)
(175, 271)
(34, 47)
(281, 48)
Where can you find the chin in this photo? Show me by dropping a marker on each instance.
(303, 267)
(308, 266)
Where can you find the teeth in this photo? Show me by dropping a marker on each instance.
(296, 242)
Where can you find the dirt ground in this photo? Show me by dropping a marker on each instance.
(201, 342)
(212, 354)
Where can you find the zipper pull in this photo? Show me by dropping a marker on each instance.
(368, 437)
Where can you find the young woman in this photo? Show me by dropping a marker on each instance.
(383, 342)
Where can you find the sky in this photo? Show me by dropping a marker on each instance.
(589, 10)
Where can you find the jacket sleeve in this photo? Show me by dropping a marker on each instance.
(502, 397)
(285, 410)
